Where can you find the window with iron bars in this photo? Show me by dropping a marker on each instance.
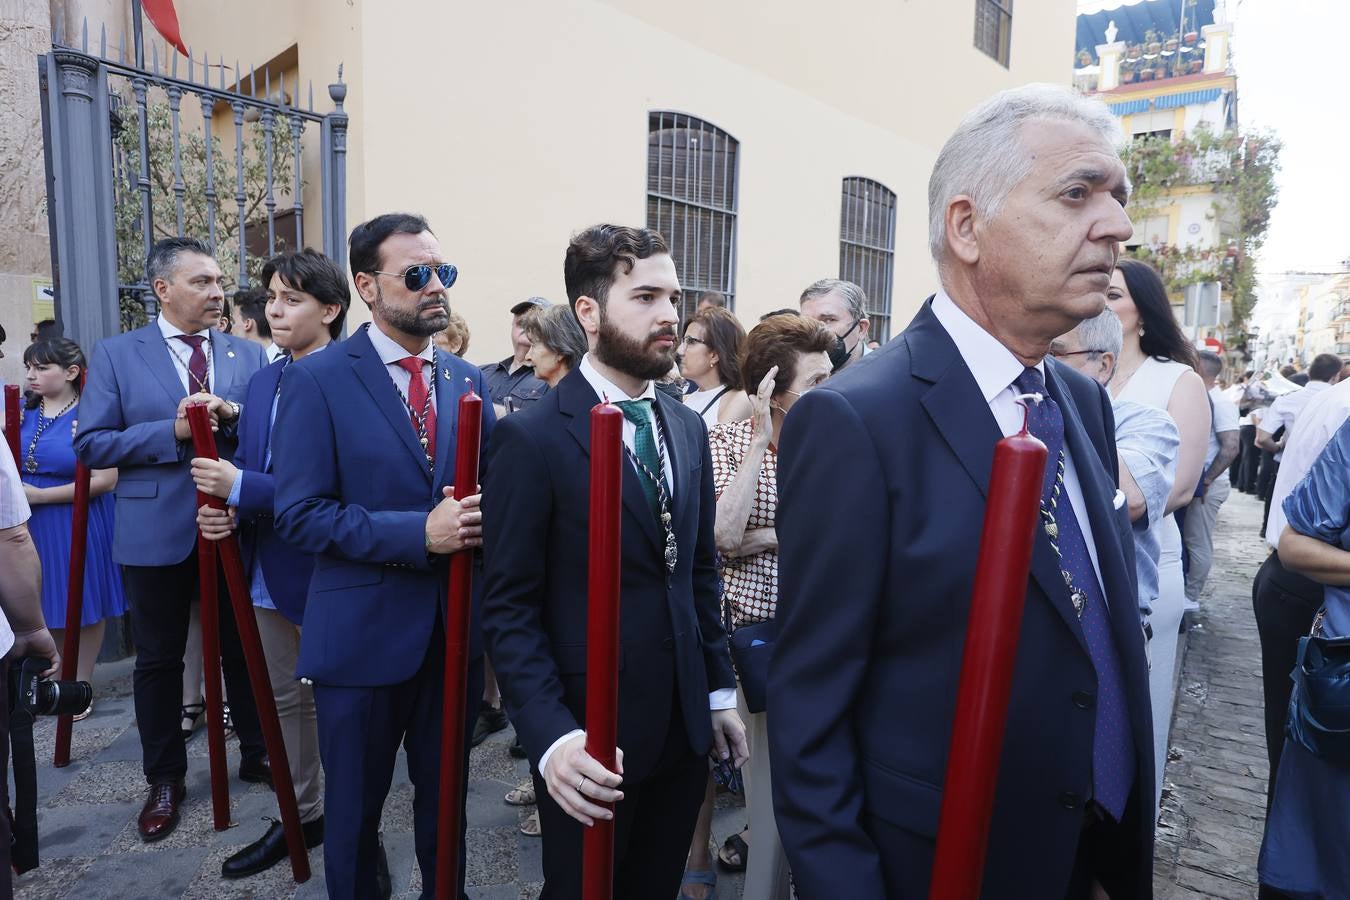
(993, 28)
(691, 200)
(867, 248)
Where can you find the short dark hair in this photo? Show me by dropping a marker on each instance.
(1299, 378)
(713, 298)
(778, 341)
(725, 336)
(557, 329)
(780, 312)
(363, 246)
(252, 305)
(164, 256)
(310, 271)
(594, 255)
(1211, 363)
(47, 330)
(59, 351)
(1162, 337)
(1325, 366)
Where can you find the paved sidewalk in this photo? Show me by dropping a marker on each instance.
(1215, 792)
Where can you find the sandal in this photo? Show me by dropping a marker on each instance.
(699, 876)
(88, 711)
(529, 826)
(522, 794)
(191, 718)
(737, 845)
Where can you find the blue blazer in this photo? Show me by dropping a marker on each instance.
(352, 488)
(126, 422)
(285, 569)
(536, 505)
(882, 479)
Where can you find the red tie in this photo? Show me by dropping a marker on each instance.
(198, 382)
(417, 403)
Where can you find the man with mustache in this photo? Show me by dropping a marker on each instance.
(132, 418)
(363, 456)
(676, 687)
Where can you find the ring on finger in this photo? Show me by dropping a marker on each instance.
(580, 783)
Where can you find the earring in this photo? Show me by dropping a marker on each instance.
(1141, 330)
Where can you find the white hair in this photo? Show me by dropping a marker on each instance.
(982, 158)
(1101, 334)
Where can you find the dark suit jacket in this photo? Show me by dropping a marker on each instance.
(352, 488)
(535, 521)
(126, 423)
(285, 569)
(882, 477)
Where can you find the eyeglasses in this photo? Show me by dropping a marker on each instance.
(690, 340)
(1061, 354)
(415, 278)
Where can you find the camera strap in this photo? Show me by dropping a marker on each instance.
(24, 854)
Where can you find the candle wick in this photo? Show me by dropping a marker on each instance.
(1021, 400)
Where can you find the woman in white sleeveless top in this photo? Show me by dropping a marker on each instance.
(710, 357)
(1156, 368)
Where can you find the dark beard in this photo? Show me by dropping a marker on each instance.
(638, 359)
(411, 321)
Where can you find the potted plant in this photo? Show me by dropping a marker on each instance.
(1196, 65)
(1133, 51)
(1170, 45)
(1189, 38)
(1152, 44)
(1126, 74)
(1084, 58)
(1146, 74)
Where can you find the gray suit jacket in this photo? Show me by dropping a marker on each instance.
(126, 422)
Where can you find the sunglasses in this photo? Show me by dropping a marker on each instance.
(415, 278)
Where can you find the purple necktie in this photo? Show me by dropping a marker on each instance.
(198, 381)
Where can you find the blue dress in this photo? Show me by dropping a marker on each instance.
(1306, 850)
(50, 525)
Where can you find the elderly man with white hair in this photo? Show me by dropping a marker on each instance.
(1026, 204)
(1146, 445)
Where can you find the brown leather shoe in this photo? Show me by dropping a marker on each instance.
(159, 816)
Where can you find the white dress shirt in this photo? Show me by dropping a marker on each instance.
(1316, 423)
(182, 352)
(995, 369)
(391, 353)
(273, 352)
(605, 389)
(1287, 408)
(14, 510)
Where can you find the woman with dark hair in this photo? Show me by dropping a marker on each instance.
(710, 357)
(47, 467)
(1157, 367)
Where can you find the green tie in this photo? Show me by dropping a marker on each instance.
(639, 412)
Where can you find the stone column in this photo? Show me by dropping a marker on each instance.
(1216, 39)
(1110, 56)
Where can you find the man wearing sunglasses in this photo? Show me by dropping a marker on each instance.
(363, 456)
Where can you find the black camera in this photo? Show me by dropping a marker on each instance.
(41, 697)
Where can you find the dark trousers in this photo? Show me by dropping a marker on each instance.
(360, 730)
(1249, 460)
(653, 826)
(6, 835)
(1285, 604)
(161, 599)
(1265, 484)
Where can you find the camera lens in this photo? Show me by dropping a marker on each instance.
(62, 698)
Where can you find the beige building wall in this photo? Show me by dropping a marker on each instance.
(511, 126)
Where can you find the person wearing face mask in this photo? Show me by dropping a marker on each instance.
(785, 356)
(711, 360)
(841, 306)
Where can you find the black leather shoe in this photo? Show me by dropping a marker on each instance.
(491, 719)
(257, 772)
(517, 749)
(384, 885)
(268, 850)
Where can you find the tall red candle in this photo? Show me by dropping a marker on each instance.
(12, 421)
(468, 442)
(70, 647)
(204, 445)
(1010, 521)
(602, 635)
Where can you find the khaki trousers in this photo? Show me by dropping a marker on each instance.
(295, 708)
(766, 871)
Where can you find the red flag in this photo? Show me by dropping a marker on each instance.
(165, 19)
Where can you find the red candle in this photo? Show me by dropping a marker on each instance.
(1010, 521)
(469, 427)
(204, 445)
(12, 421)
(602, 635)
(70, 647)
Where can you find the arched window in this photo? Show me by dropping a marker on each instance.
(867, 247)
(691, 199)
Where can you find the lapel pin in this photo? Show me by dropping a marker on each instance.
(230, 354)
(446, 373)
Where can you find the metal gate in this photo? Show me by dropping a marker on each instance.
(135, 153)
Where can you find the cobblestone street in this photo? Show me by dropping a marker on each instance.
(1207, 842)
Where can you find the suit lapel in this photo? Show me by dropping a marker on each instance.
(226, 363)
(449, 390)
(157, 357)
(678, 448)
(374, 377)
(262, 438)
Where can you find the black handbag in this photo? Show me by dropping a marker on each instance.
(751, 649)
(1319, 707)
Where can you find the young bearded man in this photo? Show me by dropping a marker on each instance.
(307, 300)
(364, 450)
(676, 686)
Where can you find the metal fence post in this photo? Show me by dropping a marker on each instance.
(334, 157)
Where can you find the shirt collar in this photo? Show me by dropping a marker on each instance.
(169, 330)
(606, 389)
(994, 366)
(389, 350)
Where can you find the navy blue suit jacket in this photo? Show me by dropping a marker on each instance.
(536, 518)
(352, 488)
(126, 421)
(285, 569)
(883, 474)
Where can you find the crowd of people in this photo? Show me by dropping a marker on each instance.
(800, 506)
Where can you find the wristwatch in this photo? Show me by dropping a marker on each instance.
(236, 407)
